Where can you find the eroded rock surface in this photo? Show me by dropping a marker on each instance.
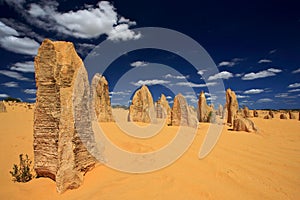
(101, 100)
(205, 111)
(243, 124)
(163, 109)
(142, 107)
(181, 113)
(231, 105)
(2, 107)
(62, 87)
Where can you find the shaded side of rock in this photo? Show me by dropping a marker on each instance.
(231, 105)
(268, 117)
(291, 115)
(283, 116)
(271, 113)
(142, 107)
(255, 113)
(243, 124)
(58, 150)
(2, 107)
(101, 100)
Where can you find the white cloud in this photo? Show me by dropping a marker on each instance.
(122, 93)
(226, 63)
(231, 63)
(264, 100)
(296, 71)
(272, 51)
(239, 75)
(23, 67)
(294, 85)
(253, 91)
(3, 95)
(221, 75)
(139, 64)
(274, 70)
(19, 45)
(15, 75)
(169, 97)
(7, 31)
(261, 74)
(30, 91)
(241, 96)
(175, 77)
(201, 72)
(294, 90)
(150, 82)
(122, 32)
(89, 22)
(281, 95)
(189, 84)
(10, 84)
(264, 61)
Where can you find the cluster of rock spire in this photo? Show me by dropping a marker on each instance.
(67, 104)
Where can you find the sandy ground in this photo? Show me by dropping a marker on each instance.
(265, 165)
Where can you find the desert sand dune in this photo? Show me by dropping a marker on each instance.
(263, 165)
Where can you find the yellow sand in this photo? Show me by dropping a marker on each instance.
(265, 165)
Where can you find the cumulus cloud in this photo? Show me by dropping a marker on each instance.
(281, 95)
(15, 75)
(169, 97)
(90, 22)
(296, 71)
(150, 82)
(261, 74)
(23, 45)
(253, 91)
(264, 100)
(175, 77)
(264, 61)
(221, 75)
(189, 84)
(294, 85)
(139, 64)
(122, 93)
(23, 66)
(30, 91)
(11, 84)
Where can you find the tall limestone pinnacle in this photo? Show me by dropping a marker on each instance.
(203, 109)
(231, 105)
(62, 87)
(101, 100)
(163, 109)
(142, 107)
(182, 114)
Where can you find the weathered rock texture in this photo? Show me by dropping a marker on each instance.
(271, 113)
(220, 110)
(101, 100)
(205, 111)
(182, 115)
(246, 112)
(255, 113)
(283, 116)
(163, 109)
(268, 117)
(2, 107)
(243, 124)
(291, 115)
(231, 105)
(141, 108)
(59, 152)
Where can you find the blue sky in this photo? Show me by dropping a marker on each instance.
(255, 46)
